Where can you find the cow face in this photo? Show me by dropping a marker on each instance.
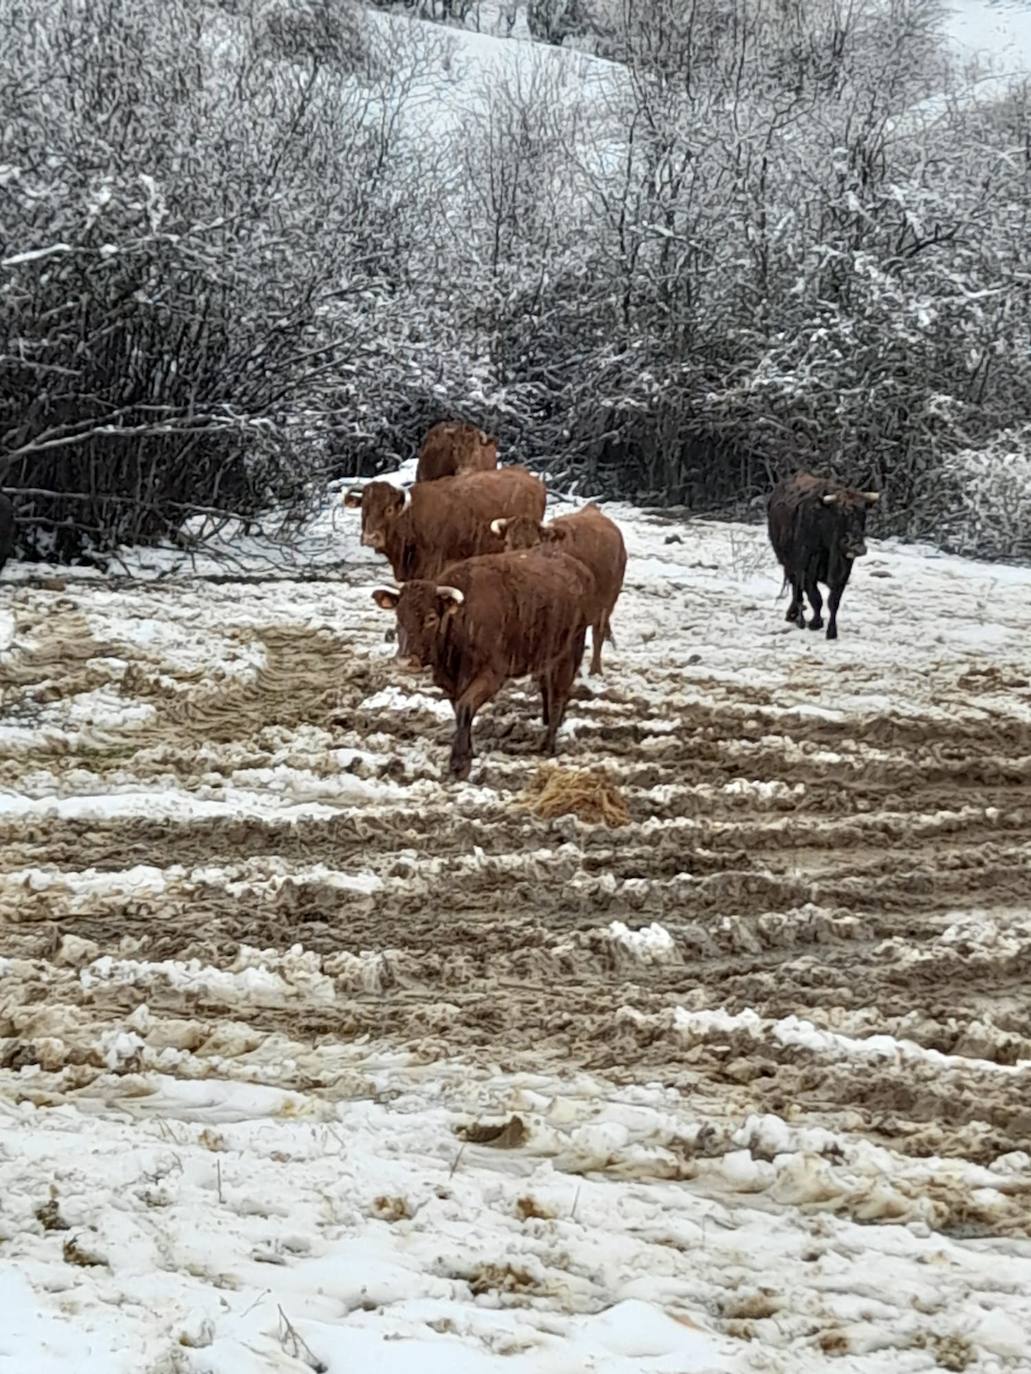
(423, 609)
(381, 504)
(850, 508)
(519, 532)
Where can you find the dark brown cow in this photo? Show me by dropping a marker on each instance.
(594, 539)
(432, 524)
(451, 448)
(489, 619)
(817, 528)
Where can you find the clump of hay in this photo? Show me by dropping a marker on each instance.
(587, 793)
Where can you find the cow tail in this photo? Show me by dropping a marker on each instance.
(609, 636)
(783, 586)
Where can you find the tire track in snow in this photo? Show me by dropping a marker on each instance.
(842, 842)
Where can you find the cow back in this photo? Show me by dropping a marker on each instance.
(809, 537)
(450, 519)
(597, 542)
(451, 448)
(521, 611)
(794, 516)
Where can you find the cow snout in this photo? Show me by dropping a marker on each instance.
(856, 551)
(408, 663)
(372, 541)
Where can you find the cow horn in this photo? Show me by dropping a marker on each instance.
(831, 499)
(871, 497)
(498, 527)
(452, 594)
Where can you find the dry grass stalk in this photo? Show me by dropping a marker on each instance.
(590, 794)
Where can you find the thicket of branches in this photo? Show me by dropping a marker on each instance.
(185, 190)
(771, 234)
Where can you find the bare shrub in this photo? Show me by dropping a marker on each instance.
(978, 502)
(178, 219)
(328, 32)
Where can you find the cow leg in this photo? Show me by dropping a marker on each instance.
(795, 614)
(812, 591)
(545, 685)
(562, 677)
(597, 635)
(834, 601)
(479, 691)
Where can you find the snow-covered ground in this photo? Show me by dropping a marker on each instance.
(310, 1060)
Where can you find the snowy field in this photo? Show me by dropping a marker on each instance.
(311, 1061)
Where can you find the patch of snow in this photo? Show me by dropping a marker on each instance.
(793, 1030)
(650, 944)
(394, 699)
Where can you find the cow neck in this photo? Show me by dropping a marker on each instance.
(838, 566)
(404, 560)
(447, 656)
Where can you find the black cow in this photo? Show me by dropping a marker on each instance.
(817, 529)
(7, 526)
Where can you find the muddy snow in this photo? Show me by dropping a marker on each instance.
(312, 1060)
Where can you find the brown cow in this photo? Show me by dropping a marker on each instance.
(489, 619)
(595, 540)
(451, 448)
(817, 528)
(435, 523)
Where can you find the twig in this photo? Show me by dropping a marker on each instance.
(456, 1161)
(298, 1348)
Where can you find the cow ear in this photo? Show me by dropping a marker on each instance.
(402, 498)
(871, 497)
(450, 598)
(833, 498)
(353, 498)
(554, 533)
(386, 598)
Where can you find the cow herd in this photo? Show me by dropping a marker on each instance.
(487, 592)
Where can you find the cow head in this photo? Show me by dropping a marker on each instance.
(423, 609)
(519, 532)
(380, 503)
(851, 508)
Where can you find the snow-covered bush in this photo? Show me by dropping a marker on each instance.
(978, 502)
(177, 216)
(329, 32)
(729, 279)
(225, 274)
(553, 21)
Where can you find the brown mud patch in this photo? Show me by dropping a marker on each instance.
(801, 866)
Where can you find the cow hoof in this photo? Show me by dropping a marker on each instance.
(460, 770)
(816, 623)
(791, 615)
(832, 631)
